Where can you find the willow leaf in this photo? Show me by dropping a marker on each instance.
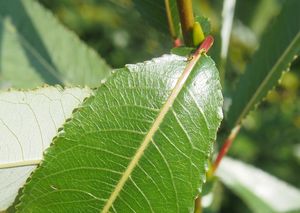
(36, 48)
(140, 144)
(156, 14)
(261, 191)
(28, 122)
(278, 48)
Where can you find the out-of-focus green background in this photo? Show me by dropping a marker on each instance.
(270, 138)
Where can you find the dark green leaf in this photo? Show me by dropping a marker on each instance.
(154, 12)
(278, 48)
(160, 117)
(35, 48)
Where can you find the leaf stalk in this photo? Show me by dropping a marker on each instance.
(225, 148)
(198, 205)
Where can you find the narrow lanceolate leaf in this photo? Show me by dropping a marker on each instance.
(278, 48)
(28, 122)
(227, 16)
(259, 190)
(36, 48)
(161, 14)
(139, 145)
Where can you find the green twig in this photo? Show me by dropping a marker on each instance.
(222, 70)
(185, 10)
(170, 20)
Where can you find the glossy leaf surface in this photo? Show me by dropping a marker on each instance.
(37, 49)
(151, 125)
(28, 122)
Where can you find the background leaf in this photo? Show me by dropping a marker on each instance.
(154, 12)
(90, 155)
(39, 112)
(36, 48)
(227, 15)
(278, 48)
(205, 24)
(261, 191)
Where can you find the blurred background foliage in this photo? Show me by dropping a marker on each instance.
(113, 27)
(270, 138)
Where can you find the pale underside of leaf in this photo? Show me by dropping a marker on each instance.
(261, 191)
(139, 145)
(28, 122)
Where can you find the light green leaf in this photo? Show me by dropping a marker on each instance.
(278, 48)
(262, 192)
(36, 48)
(28, 122)
(141, 144)
(154, 12)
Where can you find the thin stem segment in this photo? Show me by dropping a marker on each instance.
(198, 205)
(185, 9)
(170, 20)
(225, 148)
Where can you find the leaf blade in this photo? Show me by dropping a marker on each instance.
(154, 12)
(136, 94)
(263, 73)
(261, 191)
(44, 50)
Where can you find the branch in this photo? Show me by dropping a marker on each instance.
(185, 10)
(170, 20)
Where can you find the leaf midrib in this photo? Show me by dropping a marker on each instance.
(266, 79)
(153, 129)
(30, 162)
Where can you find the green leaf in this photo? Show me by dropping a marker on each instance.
(183, 51)
(259, 190)
(278, 48)
(36, 48)
(205, 24)
(28, 122)
(141, 144)
(154, 12)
